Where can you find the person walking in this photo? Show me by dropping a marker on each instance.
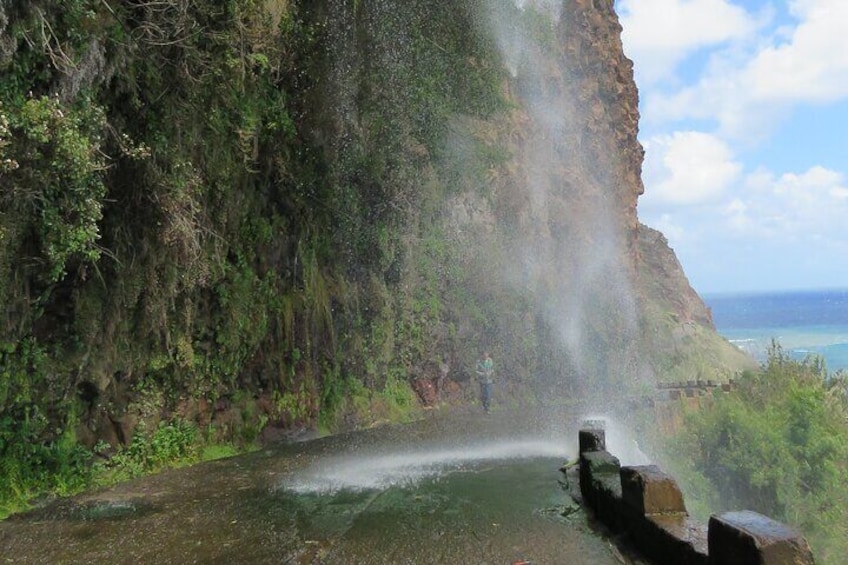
(485, 376)
(444, 369)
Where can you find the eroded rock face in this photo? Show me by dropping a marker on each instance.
(668, 279)
(608, 101)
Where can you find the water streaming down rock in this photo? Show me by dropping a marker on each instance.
(542, 183)
(302, 259)
(559, 206)
(574, 238)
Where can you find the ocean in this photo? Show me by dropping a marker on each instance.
(803, 322)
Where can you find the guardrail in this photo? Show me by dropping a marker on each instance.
(647, 504)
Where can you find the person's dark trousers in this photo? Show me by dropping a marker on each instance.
(486, 395)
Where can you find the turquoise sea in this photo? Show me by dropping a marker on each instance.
(803, 322)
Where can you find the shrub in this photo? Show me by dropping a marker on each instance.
(777, 445)
(169, 445)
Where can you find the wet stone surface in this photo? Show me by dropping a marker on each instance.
(745, 537)
(459, 489)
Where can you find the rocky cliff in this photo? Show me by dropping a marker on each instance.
(275, 214)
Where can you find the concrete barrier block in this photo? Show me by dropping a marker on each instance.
(749, 538)
(600, 484)
(592, 440)
(593, 465)
(647, 505)
(606, 504)
(673, 539)
(601, 463)
(648, 490)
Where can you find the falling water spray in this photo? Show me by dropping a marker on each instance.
(572, 245)
(557, 205)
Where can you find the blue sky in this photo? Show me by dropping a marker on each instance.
(744, 119)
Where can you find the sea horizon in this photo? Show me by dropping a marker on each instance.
(804, 322)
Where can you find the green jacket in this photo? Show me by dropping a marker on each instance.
(485, 371)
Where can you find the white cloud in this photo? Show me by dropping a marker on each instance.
(759, 209)
(661, 33)
(748, 85)
(686, 168)
(741, 222)
(816, 180)
(743, 76)
(839, 193)
(671, 229)
(812, 65)
(808, 206)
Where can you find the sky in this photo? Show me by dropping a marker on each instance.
(744, 120)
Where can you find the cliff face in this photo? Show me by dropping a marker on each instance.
(609, 101)
(290, 212)
(665, 282)
(608, 294)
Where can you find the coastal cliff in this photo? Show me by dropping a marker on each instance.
(270, 215)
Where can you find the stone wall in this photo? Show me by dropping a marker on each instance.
(647, 505)
(672, 400)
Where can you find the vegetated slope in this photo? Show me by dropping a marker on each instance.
(680, 326)
(776, 444)
(252, 213)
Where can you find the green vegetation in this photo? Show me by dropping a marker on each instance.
(201, 215)
(672, 322)
(63, 467)
(219, 217)
(169, 445)
(777, 445)
(55, 188)
(31, 467)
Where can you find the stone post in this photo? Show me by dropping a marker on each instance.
(647, 490)
(748, 538)
(592, 440)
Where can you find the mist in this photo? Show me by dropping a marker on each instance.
(569, 244)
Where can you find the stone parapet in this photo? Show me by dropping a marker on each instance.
(592, 440)
(740, 538)
(647, 505)
(647, 490)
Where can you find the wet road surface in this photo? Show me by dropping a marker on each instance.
(461, 488)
